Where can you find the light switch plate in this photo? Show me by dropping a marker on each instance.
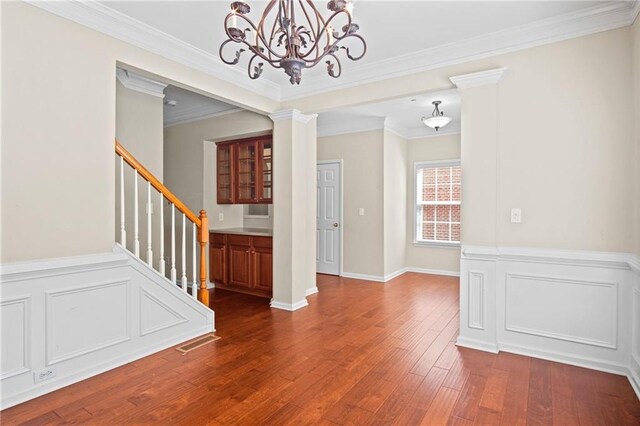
(361, 211)
(220, 217)
(516, 215)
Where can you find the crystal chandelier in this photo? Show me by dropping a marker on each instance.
(437, 118)
(292, 35)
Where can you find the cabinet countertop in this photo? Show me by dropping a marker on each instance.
(259, 232)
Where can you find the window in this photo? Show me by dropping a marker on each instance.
(438, 194)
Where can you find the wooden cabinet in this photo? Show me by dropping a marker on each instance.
(244, 171)
(241, 263)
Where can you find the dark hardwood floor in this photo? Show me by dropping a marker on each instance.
(361, 353)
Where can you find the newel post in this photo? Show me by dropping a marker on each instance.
(203, 238)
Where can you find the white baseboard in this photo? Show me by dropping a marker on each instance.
(399, 272)
(375, 278)
(434, 271)
(575, 307)
(289, 306)
(59, 383)
(85, 315)
(311, 291)
(476, 344)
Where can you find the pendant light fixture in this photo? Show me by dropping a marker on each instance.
(437, 119)
(292, 35)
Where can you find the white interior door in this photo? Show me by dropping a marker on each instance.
(328, 219)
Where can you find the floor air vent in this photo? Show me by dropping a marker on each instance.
(194, 344)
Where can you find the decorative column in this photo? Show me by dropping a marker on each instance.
(294, 208)
(479, 160)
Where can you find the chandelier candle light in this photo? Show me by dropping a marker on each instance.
(292, 35)
(437, 118)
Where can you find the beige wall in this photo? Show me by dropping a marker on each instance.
(190, 161)
(444, 147)
(395, 202)
(570, 173)
(61, 76)
(636, 120)
(362, 155)
(139, 129)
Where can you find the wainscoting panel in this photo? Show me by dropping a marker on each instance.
(65, 320)
(476, 299)
(86, 319)
(559, 308)
(14, 320)
(580, 308)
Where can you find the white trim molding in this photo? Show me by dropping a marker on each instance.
(590, 20)
(478, 79)
(140, 84)
(311, 291)
(81, 316)
(196, 114)
(571, 306)
(289, 306)
(293, 115)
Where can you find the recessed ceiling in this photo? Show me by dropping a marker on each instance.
(403, 115)
(190, 106)
(391, 28)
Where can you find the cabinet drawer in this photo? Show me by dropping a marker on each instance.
(263, 242)
(239, 240)
(217, 239)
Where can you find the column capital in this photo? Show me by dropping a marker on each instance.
(293, 115)
(478, 79)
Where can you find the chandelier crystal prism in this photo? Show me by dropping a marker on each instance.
(292, 35)
(437, 119)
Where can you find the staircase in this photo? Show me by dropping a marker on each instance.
(193, 232)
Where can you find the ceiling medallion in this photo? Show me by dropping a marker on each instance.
(292, 35)
(437, 119)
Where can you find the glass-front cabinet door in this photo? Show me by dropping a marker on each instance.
(225, 175)
(265, 149)
(247, 190)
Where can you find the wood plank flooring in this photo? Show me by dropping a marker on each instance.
(362, 353)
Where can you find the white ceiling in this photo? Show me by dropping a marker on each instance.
(402, 115)
(191, 106)
(391, 28)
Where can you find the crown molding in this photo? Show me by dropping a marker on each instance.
(106, 20)
(196, 114)
(477, 79)
(140, 84)
(293, 115)
(587, 21)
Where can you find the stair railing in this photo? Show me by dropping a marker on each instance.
(199, 225)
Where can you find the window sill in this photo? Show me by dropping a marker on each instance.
(436, 244)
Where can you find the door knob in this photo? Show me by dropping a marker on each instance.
(335, 225)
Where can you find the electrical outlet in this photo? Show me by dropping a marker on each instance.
(516, 215)
(361, 211)
(45, 374)
(220, 217)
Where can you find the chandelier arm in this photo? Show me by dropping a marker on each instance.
(364, 48)
(330, 66)
(338, 37)
(238, 53)
(257, 72)
(240, 40)
(319, 20)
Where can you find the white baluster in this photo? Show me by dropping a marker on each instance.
(136, 240)
(149, 249)
(184, 253)
(123, 232)
(173, 243)
(194, 287)
(161, 265)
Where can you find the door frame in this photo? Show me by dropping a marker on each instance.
(340, 164)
